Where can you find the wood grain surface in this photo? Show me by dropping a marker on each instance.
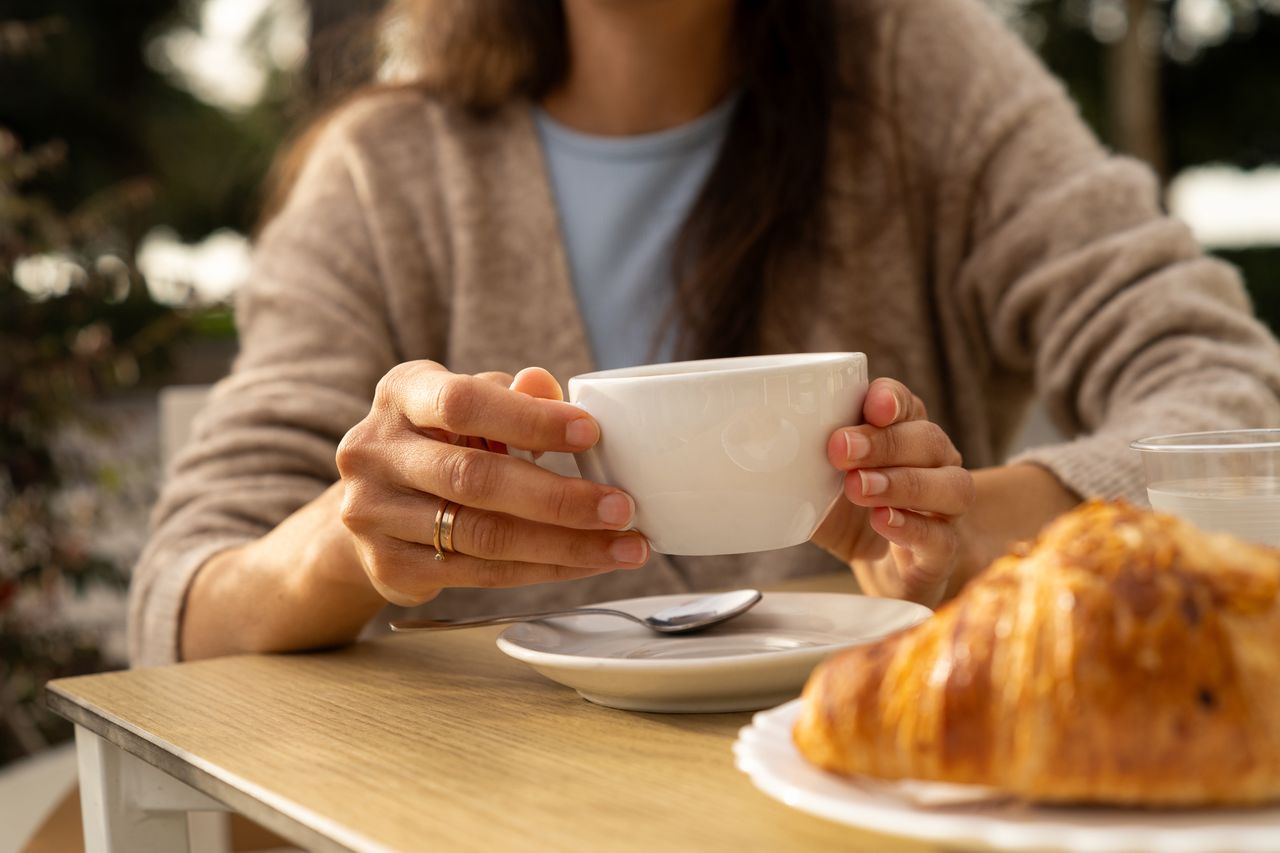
(439, 741)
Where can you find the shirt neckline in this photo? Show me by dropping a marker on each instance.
(707, 127)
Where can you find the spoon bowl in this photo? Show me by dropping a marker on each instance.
(683, 618)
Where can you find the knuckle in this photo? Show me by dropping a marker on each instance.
(912, 482)
(470, 476)
(490, 534)
(455, 403)
(497, 377)
(392, 383)
(940, 443)
(382, 392)
(556, 572)
(536, 423)
(383, 567)
(499, 574)
(356, 509)
(561, 501)
(352, 450)
(582, 550)
(886, 444)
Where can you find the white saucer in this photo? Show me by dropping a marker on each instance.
(755, 661)
(967, 817)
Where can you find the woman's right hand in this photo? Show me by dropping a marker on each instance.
(421, 444)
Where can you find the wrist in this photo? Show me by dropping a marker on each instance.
(1012, 504)
(322, 596)
(330, 561)
(329, 568)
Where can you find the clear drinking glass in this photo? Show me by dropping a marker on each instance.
(1221, 481)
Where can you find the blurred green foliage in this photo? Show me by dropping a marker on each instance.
(88, 85)
(96, 331)
(1219, 105)
(96, 149)
(1224, 105)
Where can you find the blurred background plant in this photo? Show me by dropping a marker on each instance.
(81, 326)
(134, 138)
(1190, 86)
(107, 162)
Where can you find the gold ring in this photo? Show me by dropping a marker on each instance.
(435, 530)
(447, 518)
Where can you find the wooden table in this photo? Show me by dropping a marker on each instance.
(413, 742)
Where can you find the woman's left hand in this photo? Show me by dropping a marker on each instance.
(905, 494)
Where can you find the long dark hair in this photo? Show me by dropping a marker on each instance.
(759, 218)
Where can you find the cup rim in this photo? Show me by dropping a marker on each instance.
(788, 361)
(1209, 442)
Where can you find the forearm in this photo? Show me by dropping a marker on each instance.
(301, 586)
(1011, 504)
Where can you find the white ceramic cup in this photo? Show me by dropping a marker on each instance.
(723, 456)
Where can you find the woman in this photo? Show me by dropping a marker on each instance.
(599, 183)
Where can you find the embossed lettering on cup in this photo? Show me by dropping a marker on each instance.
(723, 456)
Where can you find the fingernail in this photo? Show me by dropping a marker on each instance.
(896, 518)
(616, 509)
(856, 445)
(873, 483)
(629, 550)
(581, 432)
(897, 408)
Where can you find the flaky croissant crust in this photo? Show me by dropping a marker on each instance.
(1125, 657)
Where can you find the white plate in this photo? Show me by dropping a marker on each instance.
(755, 661)
(967, 817)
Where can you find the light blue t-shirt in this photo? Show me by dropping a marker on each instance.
(621, 202)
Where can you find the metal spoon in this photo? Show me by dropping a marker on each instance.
(679, 619)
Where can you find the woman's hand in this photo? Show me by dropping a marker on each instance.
(905, 492)
(430, 437)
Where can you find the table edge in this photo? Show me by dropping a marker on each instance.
(285, 817)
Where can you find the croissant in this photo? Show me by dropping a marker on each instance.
(1125, 657)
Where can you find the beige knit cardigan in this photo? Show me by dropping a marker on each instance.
(983, 248)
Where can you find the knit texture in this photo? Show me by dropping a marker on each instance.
(982, 248)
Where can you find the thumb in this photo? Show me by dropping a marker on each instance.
(537, 382)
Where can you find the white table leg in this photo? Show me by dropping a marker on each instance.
(129, 805)
(209, 832)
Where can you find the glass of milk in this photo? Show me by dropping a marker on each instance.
(1221, 481)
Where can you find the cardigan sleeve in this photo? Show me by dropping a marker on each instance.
(315, 340)
(1066, 268)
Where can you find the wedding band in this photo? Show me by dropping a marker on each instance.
(435, 530)
(446, 527)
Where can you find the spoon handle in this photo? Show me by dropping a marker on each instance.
(406, 626)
